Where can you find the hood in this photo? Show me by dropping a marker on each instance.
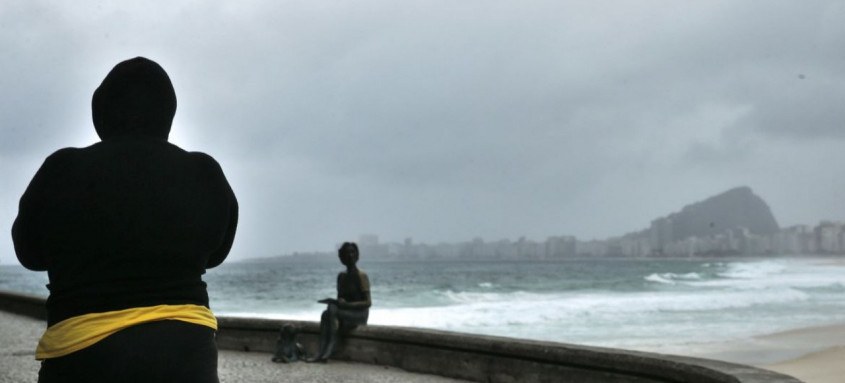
(135, 98)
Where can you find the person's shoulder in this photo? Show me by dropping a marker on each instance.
(65, 154)
(363, 275)
(205, 162)
(205, 166)
(365, 280)
(201, 157)
(62, 158)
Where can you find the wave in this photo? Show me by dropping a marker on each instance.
(593, 317)
(759, 275)
(712, 302)
(606, 318)
(774, 274)
(737, 274)
(534, 308)
(462, 297)
(753, 270)
(671, 278)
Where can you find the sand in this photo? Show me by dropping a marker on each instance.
(826, 366)
(18, 338)
(825, 360)
(813, 354)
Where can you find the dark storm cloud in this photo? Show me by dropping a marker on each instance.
(449, 120)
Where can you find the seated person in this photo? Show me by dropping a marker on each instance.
(352, 306)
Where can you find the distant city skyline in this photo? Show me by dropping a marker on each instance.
(735, 222)
(825, 238)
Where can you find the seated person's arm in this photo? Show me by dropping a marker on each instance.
(365, 304)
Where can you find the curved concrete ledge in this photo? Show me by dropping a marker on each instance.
(23, 304)
(471, 357)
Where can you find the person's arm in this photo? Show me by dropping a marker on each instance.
(220, 254)
(26, 234)
(339, 284)
(365, 290)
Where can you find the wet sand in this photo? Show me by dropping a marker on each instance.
(826, 366)
(812, 354)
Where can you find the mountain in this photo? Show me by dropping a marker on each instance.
(735, 208)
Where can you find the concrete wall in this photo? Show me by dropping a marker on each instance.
(472, 357)
(23, 304)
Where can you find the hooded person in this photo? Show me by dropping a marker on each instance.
(125, 228)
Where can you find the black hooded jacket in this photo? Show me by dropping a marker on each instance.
(132, 220)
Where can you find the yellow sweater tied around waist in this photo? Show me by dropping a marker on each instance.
(76, 333)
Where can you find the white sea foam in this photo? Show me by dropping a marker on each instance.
(753, 270)
(671, 278)
(636, 320)
(475, 309)
(659, 278)
(775, 274)
(722, 300)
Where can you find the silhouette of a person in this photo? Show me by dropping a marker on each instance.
(125, 228)
(352, 306)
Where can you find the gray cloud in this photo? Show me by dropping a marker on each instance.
(449, 120)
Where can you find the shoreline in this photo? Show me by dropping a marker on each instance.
(773, 348)
(818, 367)
(813, 354)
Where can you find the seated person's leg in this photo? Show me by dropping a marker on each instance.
(328, 331)
(347, 319)
(352, 317)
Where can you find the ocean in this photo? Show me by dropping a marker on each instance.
(652, 305)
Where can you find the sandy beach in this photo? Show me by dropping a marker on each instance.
(812, 354)
(825, 364)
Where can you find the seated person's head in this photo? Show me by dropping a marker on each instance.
(348, 253)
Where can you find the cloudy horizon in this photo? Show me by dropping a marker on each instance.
(443, 121)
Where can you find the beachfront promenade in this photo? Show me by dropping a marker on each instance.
(19, 334)
(388, 354)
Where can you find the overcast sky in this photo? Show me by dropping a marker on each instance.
(448, 120)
